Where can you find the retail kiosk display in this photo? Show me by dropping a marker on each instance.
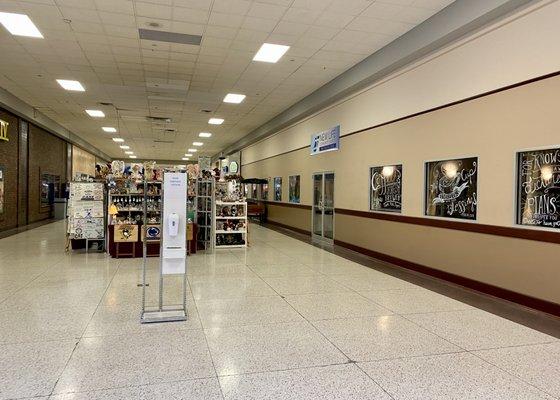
(230, 215)
(86, 207)
(131, 202)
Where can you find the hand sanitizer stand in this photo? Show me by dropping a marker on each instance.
(173, 250)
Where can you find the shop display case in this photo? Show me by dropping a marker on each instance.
(230, 216)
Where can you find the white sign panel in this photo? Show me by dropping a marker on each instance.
(174, 223)
(328, 140)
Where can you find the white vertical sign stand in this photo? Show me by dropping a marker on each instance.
(173, 249)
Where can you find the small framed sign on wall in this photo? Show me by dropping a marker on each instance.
(451, 188)
(385, 188)
(538, 188)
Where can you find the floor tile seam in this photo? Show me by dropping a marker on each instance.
(250, 324)
(132, 386)
(374, 381)
(64, 368)
(207, 343)
(136, 333)
(515, 346)
(5, 344)
(267, 371)
(432, 332)
(513, 375)
(100, 301)
(24, 286)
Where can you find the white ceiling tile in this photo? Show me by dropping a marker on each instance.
(150, 10)
(227, 20)
(263, 10)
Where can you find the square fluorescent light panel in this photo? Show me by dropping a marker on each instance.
(188, 155)
(129, 152)
(74, 86)
(185, 159)
(118, 140)
(197, 143)
(270, 53)
(204, 134)
(215, 121)
(192, 150)
(125, 147)
(19, 25)
(131, 156)
(95, 113)
(109, 129)
(234, 98)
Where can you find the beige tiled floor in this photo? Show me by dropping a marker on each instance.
(279, 320)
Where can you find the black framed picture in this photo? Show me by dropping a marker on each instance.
(451, 188)
(278, 188)
(294, 188)
(538, 188)
(385, 188)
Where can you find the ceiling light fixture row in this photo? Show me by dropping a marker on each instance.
(21, 25)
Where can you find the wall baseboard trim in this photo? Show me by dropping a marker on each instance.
(289, 205)
(505, 294)
(517, 233)
(291, 228)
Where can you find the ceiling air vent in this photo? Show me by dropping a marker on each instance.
(169, 37)
(160, 119)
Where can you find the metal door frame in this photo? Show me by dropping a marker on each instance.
(321, 238)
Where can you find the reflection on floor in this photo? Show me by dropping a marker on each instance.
(279, 320)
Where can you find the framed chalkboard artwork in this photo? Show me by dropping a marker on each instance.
(451, 188)
(538, 188)
(385, 188)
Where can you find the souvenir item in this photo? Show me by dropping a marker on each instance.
(126, 233)
(117, 168)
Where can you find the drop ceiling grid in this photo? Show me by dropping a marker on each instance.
(100, 47)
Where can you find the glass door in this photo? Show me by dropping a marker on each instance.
(323, 206)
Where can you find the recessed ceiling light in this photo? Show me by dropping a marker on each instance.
(109, 129)
(128, 152)
(125, 147)
(270, 53)
(188, 155)
(215, 121)
(95, 113)
(204, 134)
(118, 140)
(74, 86)
(131, 156)
(234, 98)
(192, 150)
(19, 25)
(197, 143)
(185, 159)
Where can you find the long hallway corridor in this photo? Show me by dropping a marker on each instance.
(279, 320)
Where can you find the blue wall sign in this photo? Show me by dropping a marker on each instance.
(325, 141)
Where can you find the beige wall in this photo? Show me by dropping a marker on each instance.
(520, 265)
(493, 128)
(82, 162)
(298, 218)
